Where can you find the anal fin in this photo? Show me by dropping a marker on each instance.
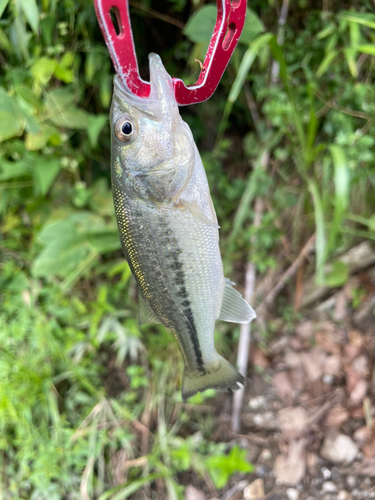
(234, 307)
(146, 314)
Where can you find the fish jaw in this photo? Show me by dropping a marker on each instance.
(158, 161)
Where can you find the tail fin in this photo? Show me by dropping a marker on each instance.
(220, 375)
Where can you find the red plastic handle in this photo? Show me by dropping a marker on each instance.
(228, 27)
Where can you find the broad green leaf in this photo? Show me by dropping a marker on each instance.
(31, 11)
(45, 171)
(105, 242)
(12, 122)
(14, 169)
(38, 140)
(252, 27)
(64, 70)
(64, 249)
(43, 69)
(367, 49)
(63, 113)
(3, 4)
(95, 126)
(200, 25)
(73, 118)
(338, 275)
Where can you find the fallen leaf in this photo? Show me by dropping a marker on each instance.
(354, 347)
(358, 394)
(260, 359)
(332, 366)
(255, 490)
(336, 416)
(313, 363)
(305, 330)
(290, 468)
(292, 421)
(284, 387)
(191, 493)
(329, 338)
(368, 467)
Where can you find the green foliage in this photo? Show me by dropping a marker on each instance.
(222, 467)
(79, 376)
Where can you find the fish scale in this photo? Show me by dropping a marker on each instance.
(168, 229)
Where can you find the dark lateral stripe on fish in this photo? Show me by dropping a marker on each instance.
(177, 267)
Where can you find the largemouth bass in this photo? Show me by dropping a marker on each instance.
(168, 229)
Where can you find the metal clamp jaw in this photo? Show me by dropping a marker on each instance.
(228, 27)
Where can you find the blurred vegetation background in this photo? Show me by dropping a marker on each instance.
(90, 403)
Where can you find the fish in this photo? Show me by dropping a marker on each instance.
(169, 229)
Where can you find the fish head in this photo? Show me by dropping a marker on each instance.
(153, 151)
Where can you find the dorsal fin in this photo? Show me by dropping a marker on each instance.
(234, 308)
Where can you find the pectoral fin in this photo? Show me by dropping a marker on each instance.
(146, 314)
(198, 213)
(233, 307)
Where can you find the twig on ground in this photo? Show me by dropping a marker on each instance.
(284, 277)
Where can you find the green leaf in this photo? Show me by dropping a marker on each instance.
(3, 4)
(326, 63)
(43, 70)
(30, 9)
(63, 113)
(365, 18)
(367, 49)
(36, 141)
(222, 467)
(44, 172)
(64, 70)
(252, 27)
(350, 55)
(338, 275)
(13, 170)
(341, 178)
(242, 74)
(200, 25)
(123, 491)
(320, 244)
(342, 191)
(12, 122)
(94, 127)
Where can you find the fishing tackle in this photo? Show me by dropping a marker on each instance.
(119, 40)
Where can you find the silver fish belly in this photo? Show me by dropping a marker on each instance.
(168, 229)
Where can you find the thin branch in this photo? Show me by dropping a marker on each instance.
(156, 14)
(288, 274)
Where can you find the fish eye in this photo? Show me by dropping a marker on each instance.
(124, 129)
